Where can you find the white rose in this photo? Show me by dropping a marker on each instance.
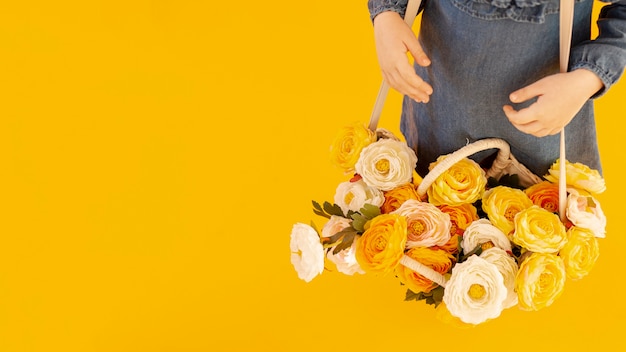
(482, 231)
(386, 164)
(427, 225)
(345, 260)
(354, 195)
(307, 252)
(585, 211)
(475, 291)
(508, 268)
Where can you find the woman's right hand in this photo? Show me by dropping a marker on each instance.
(394, 39)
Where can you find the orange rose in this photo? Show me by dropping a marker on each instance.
(395, 197)
(452, 246)
(544, 194)
(437, 259)
(460, 216)
(381, 246)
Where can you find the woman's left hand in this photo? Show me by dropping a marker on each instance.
(559, 98)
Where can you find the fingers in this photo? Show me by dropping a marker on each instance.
(405, 81)
(528, 92)
(528, 120)
(394, 38)
(402, 77)
(414, 47)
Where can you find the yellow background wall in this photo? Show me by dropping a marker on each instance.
(155, 154)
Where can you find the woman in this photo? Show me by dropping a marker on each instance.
(490, 68)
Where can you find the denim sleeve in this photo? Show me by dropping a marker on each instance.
(606, 55)
(377, 6)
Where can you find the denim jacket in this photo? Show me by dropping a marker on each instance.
(605, 56)
(481, 51)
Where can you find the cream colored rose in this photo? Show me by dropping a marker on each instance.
(354, 195)
(334, 225)
(585, 212)
(307, 252)
(539, 230)
(577, 175)
(508, 268)
(475, 291)
(386, 164)
(502, 204)
(580, 253)
(427, 225)
(463, 183)
(345, 260)
(482, 231)
(540, 281)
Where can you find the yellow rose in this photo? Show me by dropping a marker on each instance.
(577, 175)
(580, 253)
(381, 246)
(395, 197)
(463, 182)
(348, 143)
(502, 204)
(539, 230)
(437, 259)
(544, 194)
(540, 281)
(461, 216)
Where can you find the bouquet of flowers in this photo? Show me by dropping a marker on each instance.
(469, 244)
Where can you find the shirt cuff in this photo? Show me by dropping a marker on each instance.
(377, 7)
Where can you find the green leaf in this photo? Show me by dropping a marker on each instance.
(339, 235)
(317, 210)
(478, 250)
(370, 211)
(358, 222)
(438, 295)
(333, 209)
(346, 242)
(412, 296)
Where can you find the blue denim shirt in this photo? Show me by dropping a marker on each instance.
(471, 82)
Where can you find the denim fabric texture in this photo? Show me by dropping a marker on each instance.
(481, 51)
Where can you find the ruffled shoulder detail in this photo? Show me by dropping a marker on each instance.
(533, 11)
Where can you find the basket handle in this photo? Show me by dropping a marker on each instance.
(566, 18)
(502, 160)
